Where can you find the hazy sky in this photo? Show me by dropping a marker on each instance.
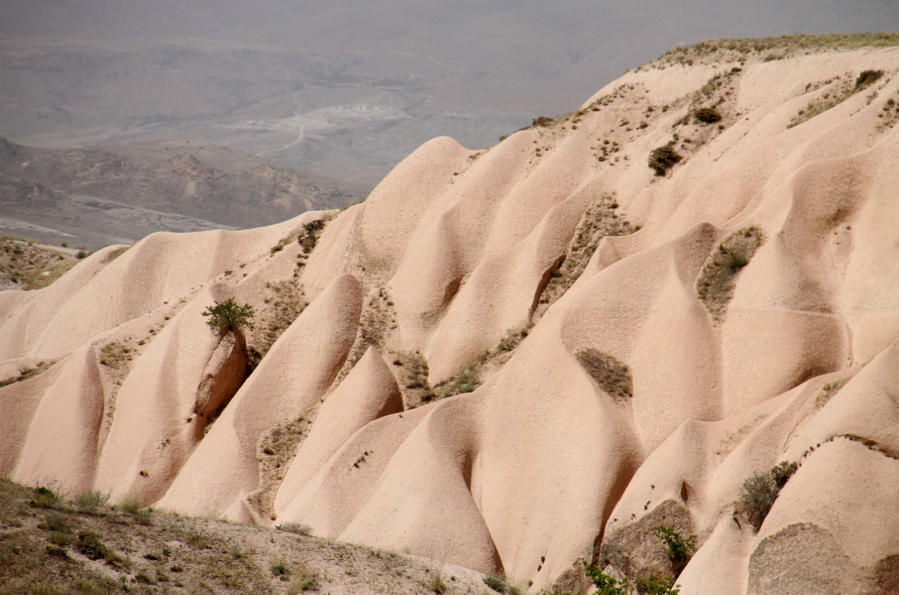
(486, 34)
(348, 87)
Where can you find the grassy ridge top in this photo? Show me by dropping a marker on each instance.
(775, 47)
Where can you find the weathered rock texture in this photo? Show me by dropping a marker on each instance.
(641, 392)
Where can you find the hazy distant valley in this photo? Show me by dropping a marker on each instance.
(340, 92)
(119, 193)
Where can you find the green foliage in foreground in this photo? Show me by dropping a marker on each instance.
(228, 316)
(605, 584)
(679, 548)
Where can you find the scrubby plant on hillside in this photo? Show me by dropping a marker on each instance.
(842, 89)
(679, 548)
(761, 490)
(867, 77)
(496, 583)
(657, 584)
(716, 282)
(612, 375)
(229, 316)
(606, 584)
(707, 115)
(663, 158)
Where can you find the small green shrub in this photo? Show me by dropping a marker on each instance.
(310, 234)
(44, 497)
(306, 580)
(142, 514)
(707, 115)
(657, 584)
(606, 584)
(229, 316)
(144, 579)
(437, 585)
(679, 548)
(89, 501)
(90, 545)
(761, 490)
(663, 158)
(278, 568)
(496, 583)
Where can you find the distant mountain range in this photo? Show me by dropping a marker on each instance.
(119, 193)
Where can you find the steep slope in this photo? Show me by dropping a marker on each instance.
(538, 353)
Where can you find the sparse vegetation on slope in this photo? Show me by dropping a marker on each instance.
(761, 490)
(27, 265)
(411, 373)
(715, 284)
(840, 89)
(275, 449)
(284, 302)
(601, 219)
(26, 372)
(612, 375)
(50, 544)
(375, 323)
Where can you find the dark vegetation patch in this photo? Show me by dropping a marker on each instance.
(26, 372)
(716, 282)
(761, 490)
(707, 115)
(663, 158)
(411, 372)
(612, 375)
(867, 77)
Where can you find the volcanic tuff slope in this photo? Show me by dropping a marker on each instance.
(506, 359)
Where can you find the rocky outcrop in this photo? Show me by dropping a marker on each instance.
(224, 373)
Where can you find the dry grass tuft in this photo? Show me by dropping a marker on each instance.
(612, 375)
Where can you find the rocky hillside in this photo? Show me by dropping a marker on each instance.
(658, 334)
(51, 544)
(115, 193)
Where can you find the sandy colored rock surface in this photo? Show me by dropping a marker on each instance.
(739, 311)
